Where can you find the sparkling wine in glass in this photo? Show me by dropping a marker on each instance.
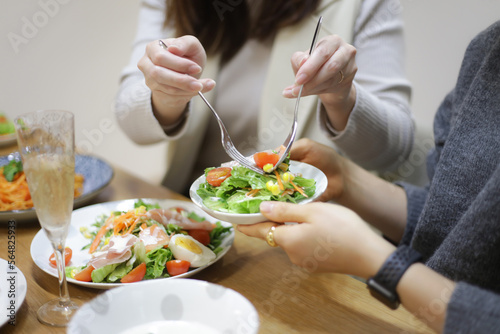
(46, 143)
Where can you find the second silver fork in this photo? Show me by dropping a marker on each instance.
(293, 132)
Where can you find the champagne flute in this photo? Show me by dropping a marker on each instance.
(47, 146)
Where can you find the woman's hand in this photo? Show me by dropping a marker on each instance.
(329, 237)
(173, 75)
(327, 72)
(328, 161)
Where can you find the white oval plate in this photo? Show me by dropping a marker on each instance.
(12, 290)
(85, 217)
(169, 303)
(307, 171)
(97, 175)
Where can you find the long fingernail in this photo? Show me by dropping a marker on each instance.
(301, 78)
(196, 86)
(194, 69)
(210, 84)
(266, 207)
(295, 91)
(303, 60)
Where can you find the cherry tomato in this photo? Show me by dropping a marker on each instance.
(136, 274)
(216, 176)
(203, 236)
(68, 253)
(264, 158)
(177, 267)
(85, 275)
(179, 209)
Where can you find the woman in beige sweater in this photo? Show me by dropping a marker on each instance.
(355, 98)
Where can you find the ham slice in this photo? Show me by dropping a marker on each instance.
(118, 250)
(153, 237)
(165, 217)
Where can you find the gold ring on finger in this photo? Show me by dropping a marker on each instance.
(270, 237)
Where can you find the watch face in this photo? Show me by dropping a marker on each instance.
(389, 298)
(383, 285)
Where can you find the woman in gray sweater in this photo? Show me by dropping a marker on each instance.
(454, 222)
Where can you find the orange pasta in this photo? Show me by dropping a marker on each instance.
(15, 195)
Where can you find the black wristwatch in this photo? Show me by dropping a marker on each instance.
(383, 285)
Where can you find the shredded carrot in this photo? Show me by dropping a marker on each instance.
(131, 228)
(298, 189)
(280, 184)
(124, 221)
(252, 192)
(102, 231)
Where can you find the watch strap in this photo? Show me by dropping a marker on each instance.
(383, 284)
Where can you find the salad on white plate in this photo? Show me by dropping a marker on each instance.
(139, 241)
(233, 193)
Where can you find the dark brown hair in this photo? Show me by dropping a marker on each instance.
(223, 26)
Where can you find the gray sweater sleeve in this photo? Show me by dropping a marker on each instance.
(416, 197)
(472, 310)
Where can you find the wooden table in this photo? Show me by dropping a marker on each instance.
(288, 298)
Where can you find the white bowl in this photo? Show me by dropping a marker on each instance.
(307, 171)
(180, 305)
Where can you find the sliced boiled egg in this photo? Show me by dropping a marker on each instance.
(185, 247)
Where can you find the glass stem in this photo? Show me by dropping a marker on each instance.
(61, 270)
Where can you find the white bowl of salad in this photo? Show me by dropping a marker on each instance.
(167, 306)
(233, 193)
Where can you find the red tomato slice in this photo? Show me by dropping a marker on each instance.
(177, 267)
(68, 253)
(85, 275)
(264, 158)
(136, 274)
(179, 209)
(203, 236)
(217, 175)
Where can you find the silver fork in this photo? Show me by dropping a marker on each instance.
(227, 143)
(293, 132)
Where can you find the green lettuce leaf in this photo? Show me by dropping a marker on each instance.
(100, 274)
(231, 197)
(155, 263)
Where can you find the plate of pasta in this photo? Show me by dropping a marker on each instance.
(92, 175)
(7, 139)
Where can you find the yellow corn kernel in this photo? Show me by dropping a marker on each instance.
(73, 272)
(283, 166)
(85, 232)
(268, 168)
(273, 188)
(287, 177)
(140, 210)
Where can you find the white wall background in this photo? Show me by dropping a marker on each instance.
(68, 54)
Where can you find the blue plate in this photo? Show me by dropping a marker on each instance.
(97, 175)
